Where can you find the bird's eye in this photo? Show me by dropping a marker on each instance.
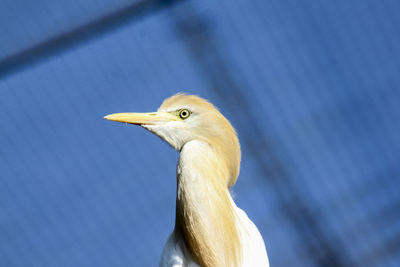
(184, 114)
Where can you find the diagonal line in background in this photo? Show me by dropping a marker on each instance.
(78, 35)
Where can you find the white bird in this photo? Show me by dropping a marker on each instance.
(210, 230)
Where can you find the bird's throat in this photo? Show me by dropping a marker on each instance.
(205, 215)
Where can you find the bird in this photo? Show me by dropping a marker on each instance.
(210, 230)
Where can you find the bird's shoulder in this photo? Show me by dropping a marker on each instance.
(253, 247)
(175, 253)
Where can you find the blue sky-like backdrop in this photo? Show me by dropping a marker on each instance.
(312, 88)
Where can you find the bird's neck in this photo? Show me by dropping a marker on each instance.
(205, 212)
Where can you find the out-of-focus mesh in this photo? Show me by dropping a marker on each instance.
(312, 88)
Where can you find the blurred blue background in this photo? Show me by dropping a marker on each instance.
(312, 88)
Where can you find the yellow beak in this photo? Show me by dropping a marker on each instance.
(153, 118)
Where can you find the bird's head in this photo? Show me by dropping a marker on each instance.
(183, 118)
